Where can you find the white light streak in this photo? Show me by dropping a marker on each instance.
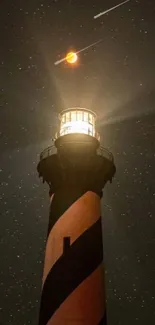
(108, 10)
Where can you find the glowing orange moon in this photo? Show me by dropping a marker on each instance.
(71, 57)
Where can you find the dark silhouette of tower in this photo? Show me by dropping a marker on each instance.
(76, 168)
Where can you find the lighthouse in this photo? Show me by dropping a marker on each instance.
(76, 168)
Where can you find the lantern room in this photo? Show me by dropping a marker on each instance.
(78, 120)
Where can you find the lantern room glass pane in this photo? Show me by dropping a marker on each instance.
(85, 116)
(90, 130)
(79, 116)
(68, 116)
(73, 116)
(90, 118)
(63, 118)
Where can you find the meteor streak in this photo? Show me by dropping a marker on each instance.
(106, 11)
(85, 48)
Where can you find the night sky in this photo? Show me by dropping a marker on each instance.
(115, 78)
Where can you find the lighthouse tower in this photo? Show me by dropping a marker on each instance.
(76, 168)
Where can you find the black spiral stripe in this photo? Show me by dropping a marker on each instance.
(70, 270)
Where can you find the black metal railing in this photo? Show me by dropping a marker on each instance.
(48, 152)
(101, 151)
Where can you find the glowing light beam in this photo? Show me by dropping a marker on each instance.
(108, 10)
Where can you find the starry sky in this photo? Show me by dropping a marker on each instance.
(116, 79)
